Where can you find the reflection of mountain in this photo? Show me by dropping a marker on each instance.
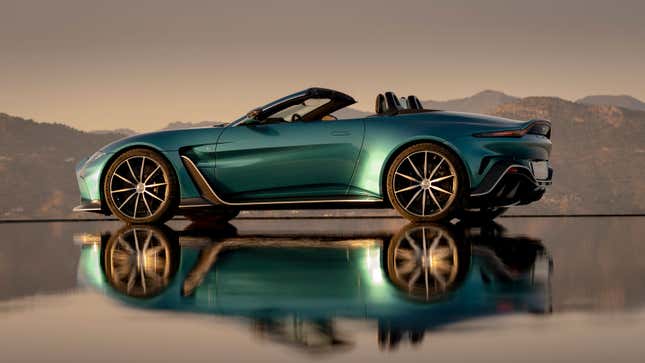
(37, 259)
(421, 278)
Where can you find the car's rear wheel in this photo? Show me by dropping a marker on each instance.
(425, 183)
(140, 186)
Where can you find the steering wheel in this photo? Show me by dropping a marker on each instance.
(296, 117)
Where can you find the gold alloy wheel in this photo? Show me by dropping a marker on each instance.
(138, 187)
(425, 183)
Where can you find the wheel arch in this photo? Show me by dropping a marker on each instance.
(396, 151)
(120, 152)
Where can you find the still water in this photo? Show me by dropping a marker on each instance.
(521, 289)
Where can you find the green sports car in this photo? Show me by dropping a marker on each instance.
(294, 153)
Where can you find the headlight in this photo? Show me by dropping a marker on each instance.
(95, 156)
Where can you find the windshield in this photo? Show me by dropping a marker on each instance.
(299, 109)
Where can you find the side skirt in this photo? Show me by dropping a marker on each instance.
(210, 195)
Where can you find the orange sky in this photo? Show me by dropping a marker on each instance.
(142, 64)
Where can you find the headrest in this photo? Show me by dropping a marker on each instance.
(393, 104)
(414, 103)
(380, 104)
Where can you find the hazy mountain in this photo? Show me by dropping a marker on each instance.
(37, 166)
(482, 102)
(598, 155)
(124, 132)
(619, 101)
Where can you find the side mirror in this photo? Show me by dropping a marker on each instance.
(329, 118)
(253, 114)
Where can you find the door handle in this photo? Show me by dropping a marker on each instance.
(340, 133)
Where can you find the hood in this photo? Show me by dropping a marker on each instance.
(168, 140)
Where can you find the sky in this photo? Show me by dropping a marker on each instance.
(142, 64)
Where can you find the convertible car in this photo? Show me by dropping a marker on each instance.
(294, 153)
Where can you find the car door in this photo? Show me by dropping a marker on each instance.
(303, 160)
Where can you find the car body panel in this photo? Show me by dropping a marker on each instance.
(298, 160)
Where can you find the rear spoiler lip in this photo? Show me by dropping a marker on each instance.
(519, 131)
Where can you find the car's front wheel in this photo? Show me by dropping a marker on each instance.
(425, 182)
(140, 186)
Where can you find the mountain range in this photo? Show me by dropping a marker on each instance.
(623, 101)
(598, 155)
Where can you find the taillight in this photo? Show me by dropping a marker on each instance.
(538, 127)
(541, 128)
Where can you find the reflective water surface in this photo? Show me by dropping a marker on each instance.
(521, 289)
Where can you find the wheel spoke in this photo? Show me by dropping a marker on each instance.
(124, 179)
(143, 162)
(423, 205)
(151, 174)
(408, 188)
(435, 169)
(145, 202)
(131, 171)
(404, 254)
(136, 206)
(147, 241)
(406, 268)
(125, 244)
(127, 200)
(121, 190)
(434, 199)
(154, 196)
(413, 198)
(441, 253)
(414, 167)
(440, 280)
(407, 177)
(143, 281)
(155, 185)
(435, 241)
(425, 164)
(442, 178)
(133, 274)
(413, 244)
(414, 277)
(136, 241)
(441, 190)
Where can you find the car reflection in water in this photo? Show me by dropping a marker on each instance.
(294, 289)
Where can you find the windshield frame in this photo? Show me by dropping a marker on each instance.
(337, 100)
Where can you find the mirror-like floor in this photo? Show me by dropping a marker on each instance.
(520, 289)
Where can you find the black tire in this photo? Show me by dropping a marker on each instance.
(431, 197)
(145, 196)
